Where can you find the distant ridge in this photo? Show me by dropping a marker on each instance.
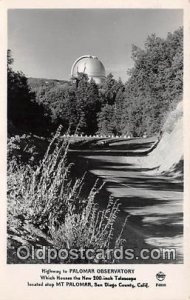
(36, 82)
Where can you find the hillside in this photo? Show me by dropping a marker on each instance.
(40, 82)
(167, 157)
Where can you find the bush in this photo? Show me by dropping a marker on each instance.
(26, 149)
(46, 197)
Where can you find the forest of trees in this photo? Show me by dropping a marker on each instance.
(154, 87)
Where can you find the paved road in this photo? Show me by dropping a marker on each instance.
(153, 203)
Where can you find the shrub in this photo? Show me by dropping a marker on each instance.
(46, 197)
(89, 229)
(26, 149)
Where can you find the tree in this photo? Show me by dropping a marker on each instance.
(88, 105)
(106, 120)
(24, 115)
(92, 108)
(109, 89)
(155, 84)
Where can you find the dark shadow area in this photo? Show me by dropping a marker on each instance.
(109, 152)
(130, 201)
(114, 147)
(111, 144)
(132, 146)
(148, 183)
(115, 168)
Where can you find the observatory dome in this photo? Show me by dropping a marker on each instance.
(89, 65)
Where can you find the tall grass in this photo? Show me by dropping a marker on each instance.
(46, 197)
(41, 193)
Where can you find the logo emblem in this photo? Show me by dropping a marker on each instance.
(160, 276)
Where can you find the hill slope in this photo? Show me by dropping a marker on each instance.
(167, 157)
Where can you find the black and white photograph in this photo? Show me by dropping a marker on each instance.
(95, 149)
(95, 136)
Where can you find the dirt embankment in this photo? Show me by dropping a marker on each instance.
(167, 157)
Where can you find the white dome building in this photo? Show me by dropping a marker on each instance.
(89, 65)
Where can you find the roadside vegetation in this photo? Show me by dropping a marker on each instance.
(44, 195)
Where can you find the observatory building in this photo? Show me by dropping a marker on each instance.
(89, 65)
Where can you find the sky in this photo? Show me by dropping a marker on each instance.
(46, 42)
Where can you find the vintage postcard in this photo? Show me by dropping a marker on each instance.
(95, 149)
